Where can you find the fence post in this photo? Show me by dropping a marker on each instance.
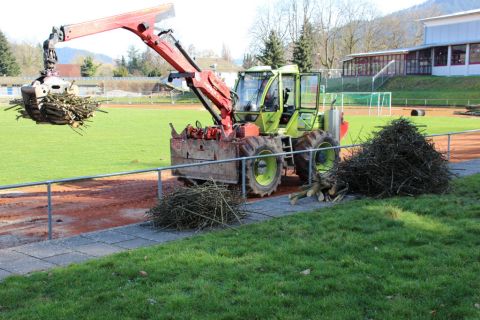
(49, 206)
(159, 185)
(448, 147)
(310, 163)
(425, 103)
(244, 176)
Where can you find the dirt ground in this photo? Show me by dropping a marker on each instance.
(98, 204)
(397, 111)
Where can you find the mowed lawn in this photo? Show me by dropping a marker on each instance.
(127, 139)
(401, 258)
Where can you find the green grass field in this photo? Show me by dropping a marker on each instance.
(126, 139)
(401, 258)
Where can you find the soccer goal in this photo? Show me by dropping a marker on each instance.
(379, 103)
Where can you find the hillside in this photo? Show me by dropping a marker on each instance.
(438, 90)
(449, 6)
(68, 55)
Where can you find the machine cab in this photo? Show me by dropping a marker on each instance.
(278, 101)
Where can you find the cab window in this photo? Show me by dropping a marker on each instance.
(271, 98)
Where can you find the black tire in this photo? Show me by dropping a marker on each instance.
(255, 146)
(314, 140)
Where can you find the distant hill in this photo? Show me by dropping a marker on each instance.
(449, 6)
(68, 55)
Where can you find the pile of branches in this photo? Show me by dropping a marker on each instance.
(325, 188)
(198, 207)
(399, 160)
(471, 111)
(58, 109)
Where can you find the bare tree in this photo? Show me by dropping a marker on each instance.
(370, 32)
(327, 34)
(226, 53)
(299, 12)
(357, 17)
(270, 17)
(29, 57)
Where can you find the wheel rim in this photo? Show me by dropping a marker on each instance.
(324, 159)
(265, 169)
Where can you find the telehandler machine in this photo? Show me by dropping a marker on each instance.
(268, 112)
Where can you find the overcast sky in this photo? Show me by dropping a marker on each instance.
(204, 23)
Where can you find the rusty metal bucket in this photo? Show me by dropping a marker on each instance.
(185, 151)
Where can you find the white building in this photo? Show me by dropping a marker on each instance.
(451, 48)
(225, 70)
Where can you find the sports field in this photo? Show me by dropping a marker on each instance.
(129, 139)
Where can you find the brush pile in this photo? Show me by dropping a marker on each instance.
(58, 109)
(399, 160)
(198, 207)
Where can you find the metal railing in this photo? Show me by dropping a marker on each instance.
(159, 171)
(383, 75)
(425, 102)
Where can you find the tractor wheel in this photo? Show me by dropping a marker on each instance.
(323, 160)
(263, 175)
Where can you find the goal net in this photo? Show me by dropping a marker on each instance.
(378, 103)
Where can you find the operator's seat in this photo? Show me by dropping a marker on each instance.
(288, 109)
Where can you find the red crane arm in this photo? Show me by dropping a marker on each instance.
(142, 24)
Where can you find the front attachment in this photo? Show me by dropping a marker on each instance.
(33, 95)
(186, 151)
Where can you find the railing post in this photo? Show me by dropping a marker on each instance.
(448, 147)
(159, 185)
(49, 207)
(244, 177)
(310, 163)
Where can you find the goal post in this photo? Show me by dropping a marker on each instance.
(379, 103)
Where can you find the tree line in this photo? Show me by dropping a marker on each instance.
(318, 34)
(27, 60)
(314, 34)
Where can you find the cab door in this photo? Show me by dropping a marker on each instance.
(309, 101)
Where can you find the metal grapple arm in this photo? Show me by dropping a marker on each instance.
(204, 83)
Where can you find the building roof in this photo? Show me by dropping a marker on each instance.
(407, 50)
(217, 64)
(392, 51)
(453, 15)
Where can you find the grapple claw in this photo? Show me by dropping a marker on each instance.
(33, 94)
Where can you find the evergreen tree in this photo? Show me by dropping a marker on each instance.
(303, 49)
(134, 61)
(249, 61)
(121, 70)
(273, 53)
(89, 67)
(8, 64)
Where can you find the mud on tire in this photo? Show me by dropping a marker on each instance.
(323, 160)
(263, 176)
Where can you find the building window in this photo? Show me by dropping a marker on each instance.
(475, 53)
(458, 55)
(441, 56)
